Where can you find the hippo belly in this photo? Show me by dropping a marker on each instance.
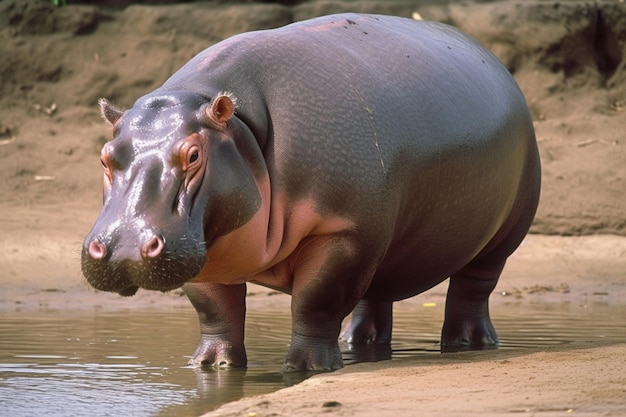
(349, 160)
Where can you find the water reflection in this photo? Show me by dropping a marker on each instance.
(124, 363)
(133, 362)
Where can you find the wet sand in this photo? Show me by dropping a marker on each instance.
(579, 381)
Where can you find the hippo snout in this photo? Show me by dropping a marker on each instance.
(124, 265)
(152, 249)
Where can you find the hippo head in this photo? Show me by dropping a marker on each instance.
(169, 174)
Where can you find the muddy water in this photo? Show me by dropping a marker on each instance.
(133, 363)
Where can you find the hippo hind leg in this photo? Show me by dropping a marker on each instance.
(467, 325)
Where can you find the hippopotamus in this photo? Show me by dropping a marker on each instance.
(350, 161)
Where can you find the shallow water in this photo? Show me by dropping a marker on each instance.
(133, 362)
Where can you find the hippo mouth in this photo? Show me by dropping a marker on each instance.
(125, 277)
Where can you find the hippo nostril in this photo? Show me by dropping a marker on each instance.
(97, 250)
(153, 248)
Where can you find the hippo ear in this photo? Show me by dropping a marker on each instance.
(109, 112)
(222, 109)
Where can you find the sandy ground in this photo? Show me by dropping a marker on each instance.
(581, 382)
(570, 61)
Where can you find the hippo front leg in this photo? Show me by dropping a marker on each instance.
(328, 283)
(221, 310)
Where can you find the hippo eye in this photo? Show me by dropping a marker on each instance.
(189, 153)
(104, 165)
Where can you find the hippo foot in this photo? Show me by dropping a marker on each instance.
(467, 325)
(217, 352)
(312, 354)
(463, 335)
